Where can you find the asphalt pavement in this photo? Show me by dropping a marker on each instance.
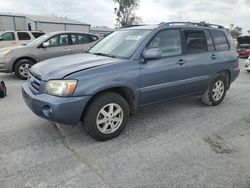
(178, 145)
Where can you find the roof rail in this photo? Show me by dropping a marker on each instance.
(133, 25)
(200, 24)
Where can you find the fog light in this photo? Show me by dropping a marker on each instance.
(47, 111)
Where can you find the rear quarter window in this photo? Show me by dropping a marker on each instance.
(220, 40)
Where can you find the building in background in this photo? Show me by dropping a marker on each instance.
(101, 30)
(41, 23)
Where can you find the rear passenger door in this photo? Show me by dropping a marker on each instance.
(222, 56)
(164, 79)
(200, 59)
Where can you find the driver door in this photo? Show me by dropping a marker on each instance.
(165, 78)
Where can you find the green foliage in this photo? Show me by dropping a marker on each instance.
(126, 12)
(235, 31)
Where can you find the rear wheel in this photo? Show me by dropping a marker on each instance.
(107, 116)
(216, 91)
(22, 67)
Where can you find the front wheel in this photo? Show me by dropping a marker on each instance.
(107, 116)
(22, 67)
(216, 91)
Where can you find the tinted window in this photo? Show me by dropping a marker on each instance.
(8, 36)
(220, 40)
(36, 34)
(93, 37)
(80, 39)
(23, 36)
(196, 42)
(169, 43)
(58, 40)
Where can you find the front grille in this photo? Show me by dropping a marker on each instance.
(34, 82)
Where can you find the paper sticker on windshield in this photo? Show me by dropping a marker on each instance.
(134, 37)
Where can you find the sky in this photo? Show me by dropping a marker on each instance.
(101, 12)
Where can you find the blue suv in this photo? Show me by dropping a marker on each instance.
(131, 68)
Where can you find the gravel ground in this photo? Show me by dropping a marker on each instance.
(182, 144)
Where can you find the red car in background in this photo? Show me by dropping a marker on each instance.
(243, 50)
(243, 47)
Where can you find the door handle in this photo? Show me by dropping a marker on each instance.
(213, 56)
(181, 62)
(67, 50)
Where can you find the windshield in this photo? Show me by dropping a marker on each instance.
(39, 40)
(120, 44)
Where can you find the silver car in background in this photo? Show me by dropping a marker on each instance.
(19, 59)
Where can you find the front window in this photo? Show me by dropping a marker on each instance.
(58, 40)
(8, 36)
(121, 44)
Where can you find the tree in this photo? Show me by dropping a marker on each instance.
(235, 31)
(248, 31)
(126, 12)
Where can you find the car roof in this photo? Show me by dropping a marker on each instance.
(67, 32)
(21, 31)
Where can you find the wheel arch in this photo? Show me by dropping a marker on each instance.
(21, 58)
(126, 92)
(227, 74)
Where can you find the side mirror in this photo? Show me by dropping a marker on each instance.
(46, 44)
(152, 54)
(1, 38)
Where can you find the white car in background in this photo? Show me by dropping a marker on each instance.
(247, 66)
(11, 38)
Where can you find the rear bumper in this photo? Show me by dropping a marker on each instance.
(234, 74)
(66, 110)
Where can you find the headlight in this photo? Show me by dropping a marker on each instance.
(60, 88)
(4, 53)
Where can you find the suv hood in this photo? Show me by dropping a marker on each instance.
(60, 67)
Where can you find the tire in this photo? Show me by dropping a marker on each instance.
(248, 70)
(21, 68)
(110, 126)
(213, 97)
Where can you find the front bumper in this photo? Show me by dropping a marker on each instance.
(65, 110)
(6, 65)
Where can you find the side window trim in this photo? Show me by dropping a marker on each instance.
(168, 29)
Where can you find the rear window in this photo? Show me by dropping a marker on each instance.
(196, 41)
(23, 36)
(220, 40)
(37, 34)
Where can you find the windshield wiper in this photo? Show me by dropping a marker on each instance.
(106, 55)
